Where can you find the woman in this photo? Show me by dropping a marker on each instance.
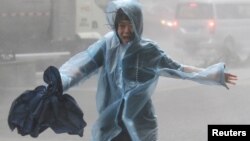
(130, 67)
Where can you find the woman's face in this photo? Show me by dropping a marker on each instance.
(125, 31)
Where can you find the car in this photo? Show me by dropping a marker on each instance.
(213, 30)
(158, 16)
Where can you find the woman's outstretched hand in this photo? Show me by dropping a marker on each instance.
(230, 78)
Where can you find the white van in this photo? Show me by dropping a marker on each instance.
(214, 29)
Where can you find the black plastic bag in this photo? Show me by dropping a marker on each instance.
(46, 107)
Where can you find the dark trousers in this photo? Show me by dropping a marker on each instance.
(124, 135)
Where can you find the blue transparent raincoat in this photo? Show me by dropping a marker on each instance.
(129, 74)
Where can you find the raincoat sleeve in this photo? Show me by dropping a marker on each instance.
(212, 75)
(82, 65)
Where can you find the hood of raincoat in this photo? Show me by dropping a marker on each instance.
(132, 9)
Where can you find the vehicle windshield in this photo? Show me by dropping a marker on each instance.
(233, 11)
(194, 10)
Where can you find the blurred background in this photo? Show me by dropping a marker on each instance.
(35, 34)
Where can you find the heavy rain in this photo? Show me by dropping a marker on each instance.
(35, 34)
